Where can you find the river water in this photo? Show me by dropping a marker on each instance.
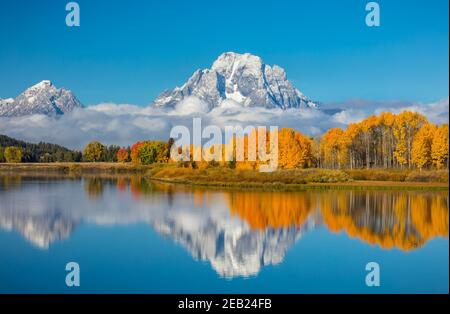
(130, 235)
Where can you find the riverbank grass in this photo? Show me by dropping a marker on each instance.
(238, 178)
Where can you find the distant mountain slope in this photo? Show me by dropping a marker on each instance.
(42, 98)
(243, 78)
(41, 152)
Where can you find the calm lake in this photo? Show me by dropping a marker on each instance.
(130, 235)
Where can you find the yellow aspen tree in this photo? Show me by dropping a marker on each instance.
(249, 151)
(406, 125)
(386, 122)
(421, 146)
(350, 135)
(315, 153)
(330, 147)
(344, 142)
(439, 147)
(305, 144)
(289, 150)
(367, 126)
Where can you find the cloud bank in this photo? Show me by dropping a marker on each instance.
(356, 110)
(124, 124)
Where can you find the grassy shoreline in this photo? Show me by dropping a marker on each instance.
(354, 185)
(296, 179)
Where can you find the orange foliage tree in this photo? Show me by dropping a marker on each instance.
(332, 149)
(122, 155)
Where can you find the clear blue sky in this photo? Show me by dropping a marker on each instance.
(130, 51)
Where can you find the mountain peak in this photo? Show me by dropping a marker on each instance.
(41, 98)
(43, 84)
(39, 87)
(228, 59)
(243, 78)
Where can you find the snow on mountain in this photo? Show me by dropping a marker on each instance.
(6, 104)
(42, 98)
(243, 78)
(6, 101)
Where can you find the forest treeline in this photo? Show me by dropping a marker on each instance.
(13, 150)
(405, 141)
(388, 141)
(19, 151)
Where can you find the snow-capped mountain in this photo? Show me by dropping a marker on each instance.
(42, 98)
(244, 78)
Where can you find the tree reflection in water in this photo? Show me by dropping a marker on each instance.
(238, 232)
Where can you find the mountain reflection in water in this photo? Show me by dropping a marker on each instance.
(238, 232)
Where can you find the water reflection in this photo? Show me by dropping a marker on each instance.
(238, 232)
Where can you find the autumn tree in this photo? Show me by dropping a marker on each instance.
(134, 153)
(439, 147)
(122, 155)
(351, 134)
(331, 148)
(421, 146)
(387, 140)
(13, 154)
(94, 152)
(315, 152)
(305, 143)
(368, 131)
(386, 122)
(245, 142)
(294, 149)
(359, 144)
(406, 125)
(149, 152)
(153, 151)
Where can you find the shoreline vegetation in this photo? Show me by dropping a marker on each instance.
(219, 177)
(387, 151)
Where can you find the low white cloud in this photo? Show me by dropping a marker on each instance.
(349, 116)
(436, 112)
(356, 110)
(190, 105)
(124, 124)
